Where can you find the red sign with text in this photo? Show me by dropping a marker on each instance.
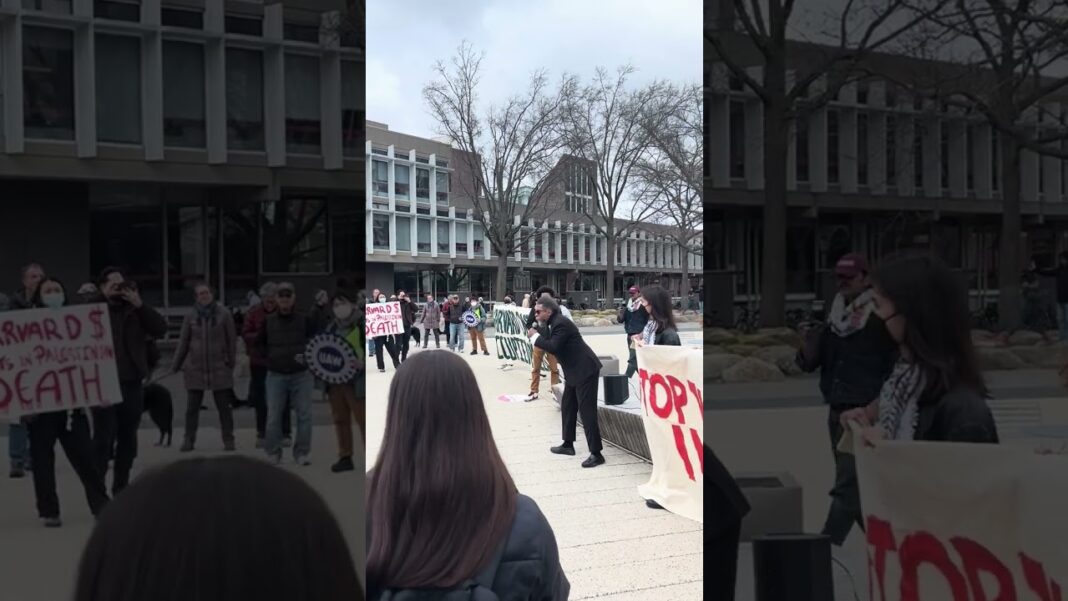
(56, 359)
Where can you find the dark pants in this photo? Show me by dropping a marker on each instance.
(721, 553)
(845, 496)
(581, 397)
(224, 400)
(115, 427)
(426, 337)
(45, 430)
(257, 397)
(402, 342)
(385, 343)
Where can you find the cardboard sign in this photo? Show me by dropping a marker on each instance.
(510, 336)
(56, 359)
(331, 359)
(962, 522)
(671, 380)
(384, 319)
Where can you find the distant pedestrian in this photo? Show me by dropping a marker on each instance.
(439, 483)
(206, 354)
(172, 535)
(430, 317)
(558, 335)
(633, 315)
(453, 314)
(283, 341)
(476, 331)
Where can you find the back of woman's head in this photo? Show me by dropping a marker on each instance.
(439, 498)
(934, 302)
(217, 529)
(659, 300)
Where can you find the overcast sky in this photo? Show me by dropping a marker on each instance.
(662, 39)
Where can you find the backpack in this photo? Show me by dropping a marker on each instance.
(478, 588)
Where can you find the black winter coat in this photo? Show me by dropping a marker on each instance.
(852, 368)
(561, 338)
(961, 415)
(634, 321)
(131, 329)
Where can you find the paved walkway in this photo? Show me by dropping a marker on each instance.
(39, 564)
(612, 546)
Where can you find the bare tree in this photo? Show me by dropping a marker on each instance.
(1004, 52)
(762, 41)
(671, 174)
(511, 147)
(604, 127)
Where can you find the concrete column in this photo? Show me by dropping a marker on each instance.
(215, 103)
(958, 158)
(582, 245)
(518, 254)
(84, 89)
(877, 158)
(817, 151)
(330, 114)
(152, 94)
(559, 242)
(719, 140)
(452, 230)
(932, 159)
(274, 87)
(906, 161)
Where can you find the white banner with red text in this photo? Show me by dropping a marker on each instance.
(383, 319)
(670, 379)
(56, 359)
(963, 522)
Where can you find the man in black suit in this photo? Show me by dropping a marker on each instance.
(722, 535)
(559, 336)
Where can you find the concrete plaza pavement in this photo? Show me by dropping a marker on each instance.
(40, 564)
(780, 435)
(612, 547)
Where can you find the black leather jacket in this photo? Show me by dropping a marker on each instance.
(852, 368)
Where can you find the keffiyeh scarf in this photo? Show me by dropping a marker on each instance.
(847, 319)
(899, 401)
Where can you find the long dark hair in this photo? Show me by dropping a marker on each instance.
(171, 535)
(439, 499)
(36, 300)
(660, 300)
(934, 302)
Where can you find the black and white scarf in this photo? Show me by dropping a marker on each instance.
(899, 401)
(846, 319)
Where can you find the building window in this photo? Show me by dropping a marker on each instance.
(244, 99)
(351, 112)
(302, 104)
(442, 186)
(404, 234)
(917, 157)
(588, 243)
(801, 153)
(401, 182)
(117, 10)
(969, 166)
(443, 236)
(300, 33)
(118, 88)
(832, 147)
(252, 26)
(380, 231)
(183, 94)
(461, 237)
(862, 149)
(862, 92)
(943, 141)
(180, 17)
(479, 238)
(380, 178)
(296, 236)
(995, 160)
(348, 232)
(422, 235)
(48, 83)
(51, 6)
(422, 184)
(891, 150)
(737, 140)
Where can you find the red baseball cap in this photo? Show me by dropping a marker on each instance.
(851, 265)
(634, 289)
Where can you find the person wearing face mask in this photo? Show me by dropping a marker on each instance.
(70, 428)
(430, 317)
(132, 323)
(207, 349)
(407, 319)
(476, 332)
(384, 344)
(855, 354)
(347, 401)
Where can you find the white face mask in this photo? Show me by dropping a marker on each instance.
(54, 300)
(343, 311)
(381, 299)
(474, 303)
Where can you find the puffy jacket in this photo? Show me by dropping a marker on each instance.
(852, 368)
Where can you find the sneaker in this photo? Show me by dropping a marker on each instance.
(343, 465)
(302, 460)
(564, 449)
(228, 445)
(287, 442)
(474, 352)
(485, 352)
(53, 522)
(186, 447)
(593, 460)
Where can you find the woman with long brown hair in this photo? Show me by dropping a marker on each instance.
(442, 510)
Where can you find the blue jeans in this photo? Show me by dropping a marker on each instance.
(18, 445)
(298, 388)
(1062, 313)
(456, 336)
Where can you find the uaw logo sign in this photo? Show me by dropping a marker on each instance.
(331, 359)
(470, 319)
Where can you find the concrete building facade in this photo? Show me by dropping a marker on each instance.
(183, 140)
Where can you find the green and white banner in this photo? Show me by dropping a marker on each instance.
(509, 325)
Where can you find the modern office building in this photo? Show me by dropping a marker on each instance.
(875, 171)
(423, 235)
(184, 140)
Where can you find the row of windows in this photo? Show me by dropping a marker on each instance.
(49, 94)
(402, 181)
(191, 18)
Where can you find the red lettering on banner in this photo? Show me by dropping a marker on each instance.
(51, 330)
(654, 381)
(382, 328)
(976, 558)
(680, 446)
(695, 390)
(921, 548)
(678, 397)
(96, 317)
(8, 330)
(1035, 574)
(881, 540)
(74, 326)
(5, 396)
(695, 438)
